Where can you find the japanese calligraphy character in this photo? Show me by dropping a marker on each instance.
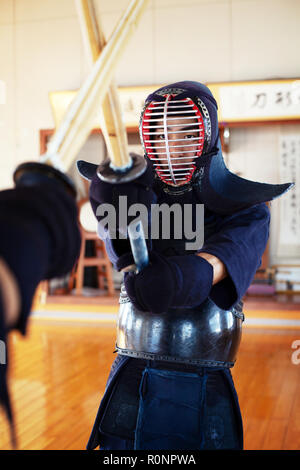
(261, 100)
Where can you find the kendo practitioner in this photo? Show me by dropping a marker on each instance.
(180, 318)
(39, 239)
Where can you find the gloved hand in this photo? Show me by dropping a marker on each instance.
(137, 191)
(115, 236)
(175, 281)
(39, 236)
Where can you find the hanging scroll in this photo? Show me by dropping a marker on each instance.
(289, 168)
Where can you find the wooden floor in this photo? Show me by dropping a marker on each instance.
(58, 375)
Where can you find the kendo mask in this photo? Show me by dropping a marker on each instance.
(180, 135)
(177, 126)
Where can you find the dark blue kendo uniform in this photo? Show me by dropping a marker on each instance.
(215, 422)
(170, 386)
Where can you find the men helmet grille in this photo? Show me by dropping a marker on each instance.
(173, 158)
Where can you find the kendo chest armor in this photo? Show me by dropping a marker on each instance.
(206, 335)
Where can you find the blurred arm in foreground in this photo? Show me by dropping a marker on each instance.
(39, 239)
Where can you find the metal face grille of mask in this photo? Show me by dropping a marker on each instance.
(173, 134)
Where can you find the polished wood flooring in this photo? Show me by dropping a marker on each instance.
(58, 375)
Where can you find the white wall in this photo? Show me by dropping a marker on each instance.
(205, 40)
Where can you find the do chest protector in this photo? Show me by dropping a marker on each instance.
(206, 336)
